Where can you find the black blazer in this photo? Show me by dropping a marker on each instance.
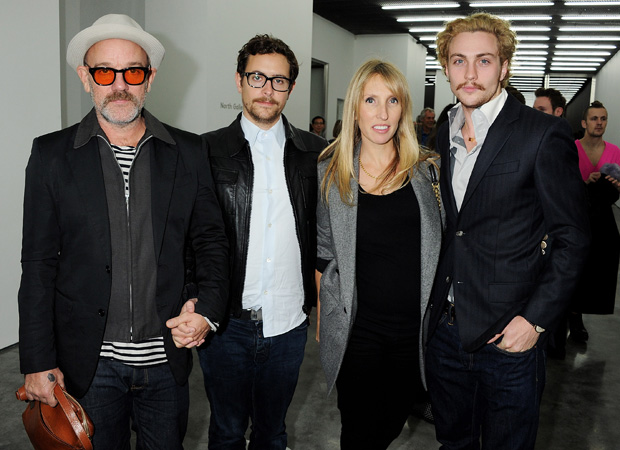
(66, 249)
(525, 185)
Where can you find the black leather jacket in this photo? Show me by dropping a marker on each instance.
(233, 172)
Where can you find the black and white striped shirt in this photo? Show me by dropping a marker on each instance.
(150, 352)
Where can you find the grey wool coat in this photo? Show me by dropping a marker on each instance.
(336, 236)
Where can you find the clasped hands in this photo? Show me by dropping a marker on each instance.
(189, 328)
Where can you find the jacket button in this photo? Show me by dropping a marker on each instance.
(460, 233)
(101, 312)
(107, 269)
(345, 309)
(448, 279)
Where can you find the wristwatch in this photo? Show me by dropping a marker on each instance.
(537, 328)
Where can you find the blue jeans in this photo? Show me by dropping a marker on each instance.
(149, 398)
(489, 394)
(249, 376)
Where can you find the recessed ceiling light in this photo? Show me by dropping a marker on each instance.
(591, 3)
(597, 29)
(576, 58)
(531, 52)
(533, 38)
(560, 63)
(426, 5)
(529, 72)
(591, 46)
(530, 28)
(563, 53)
(528, 63)
(529, 58)
(529, 18)
(427, 19)
(425, 29)
(588, 38)
(520, 45)
(508, 4)
(593, 17)
(575, 69)
(427, 38)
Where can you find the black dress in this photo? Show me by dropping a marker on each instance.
(596, 291)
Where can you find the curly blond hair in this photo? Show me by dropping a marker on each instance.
(500, 28)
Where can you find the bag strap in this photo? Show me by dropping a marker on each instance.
(81, 428)
(435, 182)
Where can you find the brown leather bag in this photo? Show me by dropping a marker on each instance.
(65, 426)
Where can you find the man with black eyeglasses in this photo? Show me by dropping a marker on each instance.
(266, 183)
(111, 205)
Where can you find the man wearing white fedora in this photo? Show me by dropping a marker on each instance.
(111, 206)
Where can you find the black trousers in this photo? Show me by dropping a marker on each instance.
(377, 384)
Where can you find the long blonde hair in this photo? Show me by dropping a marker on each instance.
(341, 168)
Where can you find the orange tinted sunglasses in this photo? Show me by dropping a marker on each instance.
(105, 76)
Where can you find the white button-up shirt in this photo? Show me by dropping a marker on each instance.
(463, 162)
(273, 278)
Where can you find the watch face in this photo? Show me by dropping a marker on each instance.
(539, 329)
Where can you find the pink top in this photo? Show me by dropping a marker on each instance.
(611, 154)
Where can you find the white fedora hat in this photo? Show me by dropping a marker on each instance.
(114, 26)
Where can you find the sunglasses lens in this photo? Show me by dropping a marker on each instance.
(135, 75)
(104, 76)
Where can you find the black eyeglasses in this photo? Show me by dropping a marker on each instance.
(258, 80)
(105, 76)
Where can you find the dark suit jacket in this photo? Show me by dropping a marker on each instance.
(525, 184)
(66, 249)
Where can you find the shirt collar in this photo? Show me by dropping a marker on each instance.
(89, 127)
(490, 110)
(251, 131)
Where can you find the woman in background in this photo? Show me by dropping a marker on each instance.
(379, 235)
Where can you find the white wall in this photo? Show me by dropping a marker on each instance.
(608, 93)
(195, 86)
(402, 51)
(345, 52)
(30, 107)
(443, 93)
(333, 45)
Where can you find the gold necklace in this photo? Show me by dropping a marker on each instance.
(364, 169)
(469, 138)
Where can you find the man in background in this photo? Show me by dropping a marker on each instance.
(425, 128)
(550, 101)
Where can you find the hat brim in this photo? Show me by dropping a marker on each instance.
(86, 38)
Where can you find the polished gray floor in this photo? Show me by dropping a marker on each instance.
(580, 410)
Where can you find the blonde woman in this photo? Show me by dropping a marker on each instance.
(379, 235)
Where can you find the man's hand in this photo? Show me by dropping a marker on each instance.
(40, 385)
(189, 328)
(518, 336)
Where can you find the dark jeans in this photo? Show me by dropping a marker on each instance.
(149, 398)
(490, 394)
(377, 384)
(249, 376)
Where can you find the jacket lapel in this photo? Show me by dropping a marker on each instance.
(85, 164)
(498, 135)
(163, 158)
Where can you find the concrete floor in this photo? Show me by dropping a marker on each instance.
(580, 410)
